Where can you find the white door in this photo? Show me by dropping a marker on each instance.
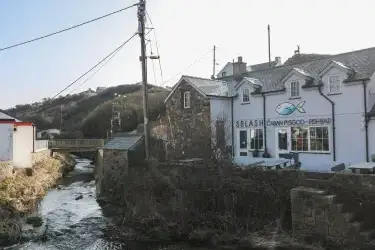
(282, 141)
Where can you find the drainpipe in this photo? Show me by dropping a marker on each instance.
(265, 153)
(367, 119)
(333, 122)
(231, 107)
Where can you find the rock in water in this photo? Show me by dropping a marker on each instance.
(79, 197)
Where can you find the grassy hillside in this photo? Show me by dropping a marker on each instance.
(88, 114)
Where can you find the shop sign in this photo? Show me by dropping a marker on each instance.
(287, 108)
(279, 123)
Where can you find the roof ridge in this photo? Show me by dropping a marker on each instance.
(202, 78)
(316, 59)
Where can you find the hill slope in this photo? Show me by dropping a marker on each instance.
(88, 114)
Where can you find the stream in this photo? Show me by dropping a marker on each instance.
(73, 218)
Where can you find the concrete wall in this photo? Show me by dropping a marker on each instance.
(6, 142)
(23, 146)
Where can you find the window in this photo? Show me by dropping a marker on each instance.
(334, 84)
(319, 139)
(251, 139)
(256, 139)
(186, 99)
(299, 139)
(224, 74)
(294, 89)
(313, 139)
(246, 95)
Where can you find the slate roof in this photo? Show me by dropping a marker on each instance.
(5, 116)
(301, 58)
(262, 66)
(208, 87)
(123, 143)
(362, 62)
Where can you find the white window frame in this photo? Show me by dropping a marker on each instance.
(243, 95)
(187, 100)
(291, 89)
(249, 139)
(309, 140)
(330, 82)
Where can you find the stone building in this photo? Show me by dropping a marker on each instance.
(188, 117)
(118, 154)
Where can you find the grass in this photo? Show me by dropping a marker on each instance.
(20, 192)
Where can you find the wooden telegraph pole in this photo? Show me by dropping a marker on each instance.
(143, 59)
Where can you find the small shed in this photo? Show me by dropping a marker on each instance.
(123, 151)
(16, 141)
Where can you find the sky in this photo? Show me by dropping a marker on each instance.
(186, 30)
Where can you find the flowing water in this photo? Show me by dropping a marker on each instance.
(73, 218)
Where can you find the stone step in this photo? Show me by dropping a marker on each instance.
(357, 225)
(367, 235)
(349, 217)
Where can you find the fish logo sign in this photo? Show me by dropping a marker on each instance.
(287, 108)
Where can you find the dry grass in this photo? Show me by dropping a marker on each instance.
(20, 192)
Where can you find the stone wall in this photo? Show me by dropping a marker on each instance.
(335, 207)
(113, 171)
(188, 128)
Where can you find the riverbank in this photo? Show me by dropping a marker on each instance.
(20, 192)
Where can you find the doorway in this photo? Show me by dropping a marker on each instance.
(282, 141)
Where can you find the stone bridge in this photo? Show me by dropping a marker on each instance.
(75, 145)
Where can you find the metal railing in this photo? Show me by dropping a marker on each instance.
(76, 143)
(40, 145)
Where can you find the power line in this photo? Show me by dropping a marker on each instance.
(102, 66)
(191, 65)
(157, 48)
(67, 29)
(115, 51)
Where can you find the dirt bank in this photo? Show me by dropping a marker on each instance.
(20, 193)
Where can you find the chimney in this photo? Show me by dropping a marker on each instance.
(239, 67)
(278, 61)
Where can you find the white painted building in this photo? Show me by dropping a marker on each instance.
(320, 108)
(16, 141)
(323, 109)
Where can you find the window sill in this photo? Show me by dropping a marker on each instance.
(245, 103)
(312, 152)
(295, 97)
(338, 93)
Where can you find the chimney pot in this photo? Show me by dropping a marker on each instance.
(278, 60)
(240, 59)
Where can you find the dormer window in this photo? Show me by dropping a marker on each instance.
(334, 84)
(187, 99)
(294, 89)
(245, 95)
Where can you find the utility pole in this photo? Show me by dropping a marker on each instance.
(61, 107)
(143, 58)
(214, 64)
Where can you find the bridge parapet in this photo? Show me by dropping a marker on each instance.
(75, 143)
